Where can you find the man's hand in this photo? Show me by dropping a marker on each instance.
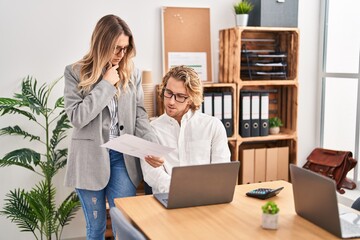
(154, 161)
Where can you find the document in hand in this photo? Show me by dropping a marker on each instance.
(137, 147)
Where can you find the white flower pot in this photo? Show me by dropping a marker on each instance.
(241, 19)
(274, 130)
(270, 221)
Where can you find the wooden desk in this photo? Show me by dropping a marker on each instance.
(240, 219)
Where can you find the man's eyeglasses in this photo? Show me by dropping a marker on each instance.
(178, 96)
(119, 49)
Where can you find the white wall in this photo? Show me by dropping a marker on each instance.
(40, 38)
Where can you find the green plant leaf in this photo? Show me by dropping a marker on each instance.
(32, 97)
(23, 157)
(36, 210)
(59, 103)
(16, 130)
(243, 7)
(12, 106)
(59, 132)
(42, 202)
(17, 209)
(68, 208)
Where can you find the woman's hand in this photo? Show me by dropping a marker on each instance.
(154, 161)
(111, 75)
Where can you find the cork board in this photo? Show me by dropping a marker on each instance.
(186, 39)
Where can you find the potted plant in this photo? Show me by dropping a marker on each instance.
(242, 10)
(275, 124)
(35, 210)
(270, 215)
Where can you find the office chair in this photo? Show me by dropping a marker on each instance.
(356, 204)
(123, 229)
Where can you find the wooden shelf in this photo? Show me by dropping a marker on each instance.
(264, 44)
(234, 41)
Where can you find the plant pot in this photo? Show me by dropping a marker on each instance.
(274, 130)
(241, 19)
(270, 221)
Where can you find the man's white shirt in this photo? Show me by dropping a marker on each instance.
(201, 139)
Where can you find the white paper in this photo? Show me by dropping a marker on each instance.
(351, 217)
(195, 60)
(137, 147)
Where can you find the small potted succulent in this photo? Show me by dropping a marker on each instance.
(275, 124)
(242, 10)
(270, 215)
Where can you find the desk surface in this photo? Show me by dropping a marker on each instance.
(240, 219)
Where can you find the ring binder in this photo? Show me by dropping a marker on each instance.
(264, 114)
(255, 114)
(245, 114)
(228, 113)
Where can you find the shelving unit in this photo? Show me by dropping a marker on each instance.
(263, 58)
(244, 53)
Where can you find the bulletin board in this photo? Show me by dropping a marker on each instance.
(186, 39)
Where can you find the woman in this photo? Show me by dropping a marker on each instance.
(103, 100)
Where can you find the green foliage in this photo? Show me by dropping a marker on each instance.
(243, 7)
(275, 122)
(35, 210)
(270, 208)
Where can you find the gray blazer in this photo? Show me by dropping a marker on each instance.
(88, 165)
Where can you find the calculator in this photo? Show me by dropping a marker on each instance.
(264, 193)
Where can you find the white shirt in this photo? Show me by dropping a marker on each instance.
(201, 139)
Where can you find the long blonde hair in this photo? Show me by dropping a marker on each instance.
(192, 83)
(103, 41)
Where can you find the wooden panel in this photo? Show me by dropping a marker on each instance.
(271, 164)
(260, 165)
(247, 166)
(283, 164)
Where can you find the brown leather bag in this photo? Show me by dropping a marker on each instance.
(333, 164)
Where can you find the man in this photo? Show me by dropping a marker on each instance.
(197, 138)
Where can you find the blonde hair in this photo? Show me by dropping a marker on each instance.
(191, 81)
(103, 41)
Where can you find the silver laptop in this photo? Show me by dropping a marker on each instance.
(315, 200)
(199, 185)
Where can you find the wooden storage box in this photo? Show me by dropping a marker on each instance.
(266, 161)
(283, 103)
(258, 53)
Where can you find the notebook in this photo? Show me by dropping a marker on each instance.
(315, 200)
(199, 185)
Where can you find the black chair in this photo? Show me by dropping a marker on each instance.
(356, 204)
(123, 229)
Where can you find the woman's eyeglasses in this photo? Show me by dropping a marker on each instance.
(119, 49)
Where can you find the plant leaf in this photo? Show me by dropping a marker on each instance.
(32, 97)
(42, 202)
(17, 209)
(12, 106)
(59, 133)
(16, 130)
(68, 208)
(23, 157)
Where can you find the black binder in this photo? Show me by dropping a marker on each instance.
(264, 114)
(255, 114)
(228, 113)
(245, 111)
